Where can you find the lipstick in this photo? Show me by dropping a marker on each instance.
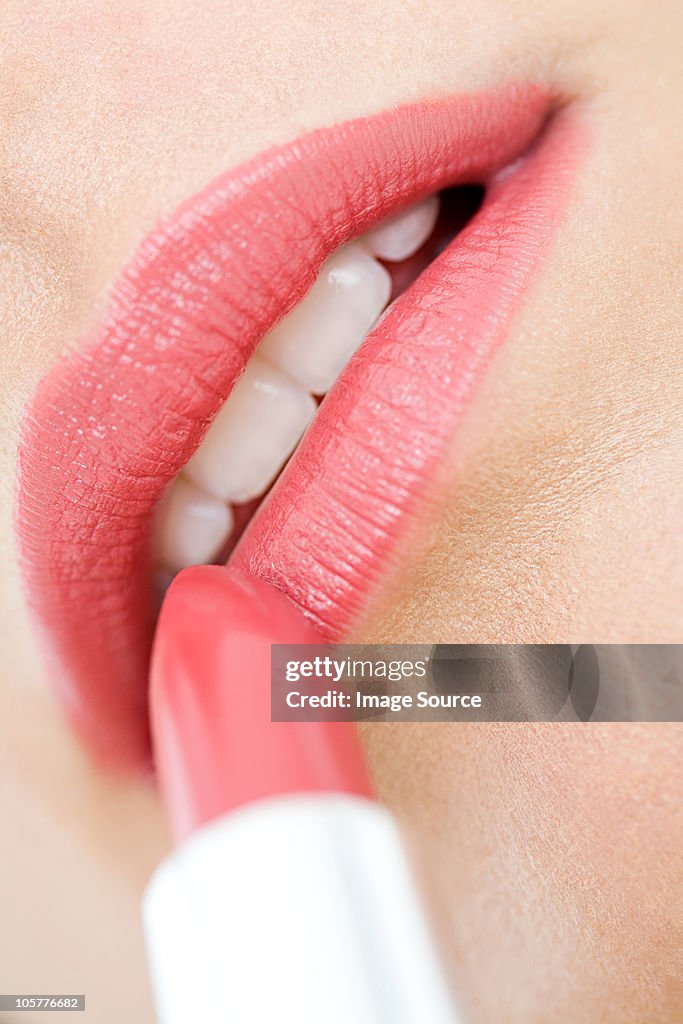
(288, 896)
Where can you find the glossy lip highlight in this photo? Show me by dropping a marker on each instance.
(113, 423)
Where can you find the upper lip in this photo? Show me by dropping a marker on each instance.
(113, 423)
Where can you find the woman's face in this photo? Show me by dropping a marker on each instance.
(554, 851)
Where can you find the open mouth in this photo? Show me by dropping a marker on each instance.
(213, 498)
(148, 449)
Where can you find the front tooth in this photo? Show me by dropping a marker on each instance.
(252, 435)
(401, 236)
(192, 528)
(317, 339)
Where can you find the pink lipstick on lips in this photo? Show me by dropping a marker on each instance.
(289, 896)
(113, 423)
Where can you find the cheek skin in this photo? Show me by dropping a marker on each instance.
(556, 862)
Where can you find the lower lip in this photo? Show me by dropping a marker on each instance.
(112, 424)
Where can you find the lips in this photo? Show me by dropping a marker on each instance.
(114, 422)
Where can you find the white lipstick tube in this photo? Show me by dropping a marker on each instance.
(296, 910)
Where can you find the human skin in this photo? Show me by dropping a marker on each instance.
(553, 851)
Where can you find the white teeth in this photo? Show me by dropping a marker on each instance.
(192, 526)
(400, 237)
(254, 433)
(317, 339)
(272, 403)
